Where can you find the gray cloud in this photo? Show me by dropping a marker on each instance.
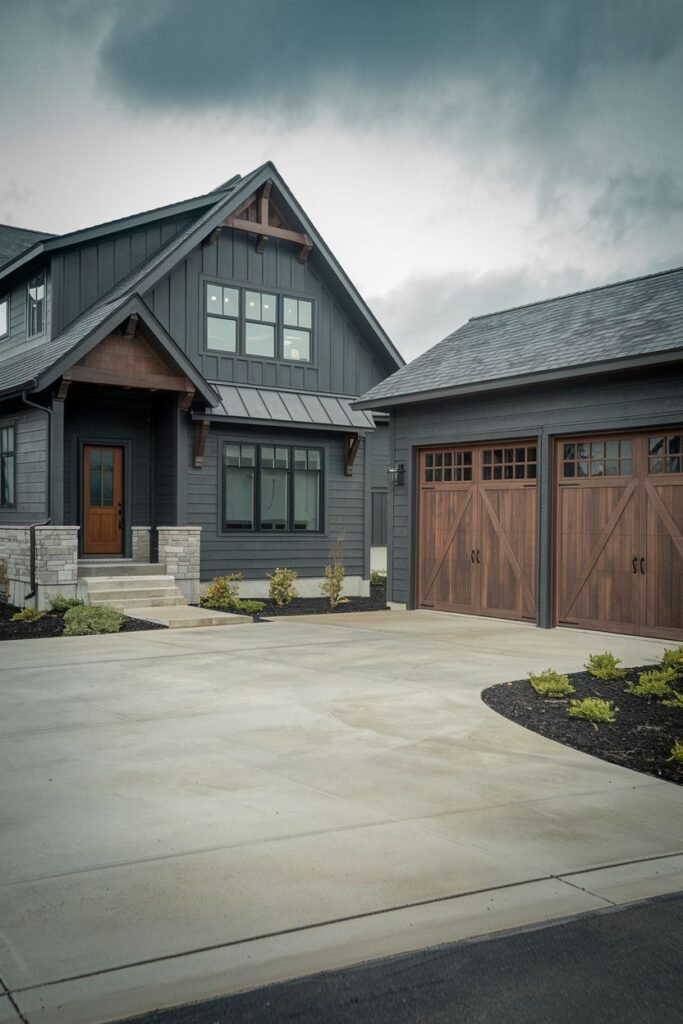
(632, 200)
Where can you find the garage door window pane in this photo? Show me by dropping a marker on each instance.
(665, 454)
(597, 458)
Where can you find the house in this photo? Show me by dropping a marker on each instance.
(175, 391)
(538, 463)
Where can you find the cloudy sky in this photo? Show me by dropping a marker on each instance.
(458, 156)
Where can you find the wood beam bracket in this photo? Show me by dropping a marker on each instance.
(261, 226)
(131, 326)
(201, 432)
(351, 445)
(63, 389)
(185, 400)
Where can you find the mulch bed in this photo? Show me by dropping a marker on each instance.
(641, 738)
(52, 624)
(377, 602)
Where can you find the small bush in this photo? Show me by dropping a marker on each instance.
(593, 709)
(92, 618)
(281, 588)
(28, 615)
(378, 578)
(59, 603)
(676, 701)
(222, 592)
(248, 607)
(604, 666)
(676, 753)
(551, 684)
(673, 659)
(653, 684)
(333, 584)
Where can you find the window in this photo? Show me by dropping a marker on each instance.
(222, 317)
(4, 316)
(597, 458)
(257, 323)
(515, 463)
(272, 488)
(7, 443)
(665, 454)
(448, 467)
(36, 305)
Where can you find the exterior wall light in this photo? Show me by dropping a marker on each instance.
(398, 473)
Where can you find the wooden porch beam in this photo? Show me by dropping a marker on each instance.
(141, 381)
(201, 432)
(131, 326)
(351, 445)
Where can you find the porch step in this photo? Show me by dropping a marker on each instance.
(122, 592)
(186, 616)
(116, 567)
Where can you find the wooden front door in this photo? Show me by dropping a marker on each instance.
(619, 543)
(102, 500)
(477, 530)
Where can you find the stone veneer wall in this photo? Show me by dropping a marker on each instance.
(56, 563)
(179, 550)
(141, 543)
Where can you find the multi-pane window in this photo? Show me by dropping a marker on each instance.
(665, 454)
(515, 463)
(597, 458)
(222, 317)
(36, 304)
(272, 488)
(4, 316)
(256, 323)
(448, 467)
(7, 465)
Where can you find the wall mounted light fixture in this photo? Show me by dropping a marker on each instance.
(398, 473)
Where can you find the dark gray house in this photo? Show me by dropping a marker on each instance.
(538, 463)
(188, 373)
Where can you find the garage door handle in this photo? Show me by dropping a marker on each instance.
(642, 566)
(472, 556)
(634, 563)
(478, 562)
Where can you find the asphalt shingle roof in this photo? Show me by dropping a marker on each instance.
(624, 320)
(14, 241)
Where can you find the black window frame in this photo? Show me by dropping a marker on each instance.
(42, 304)
(5, 301)
(243, 318)
(256, 493)
(3, 455)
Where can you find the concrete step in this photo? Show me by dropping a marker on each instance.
(123, 602)
(119, 567)
(126, 584)
(123, 592)
(187, 616)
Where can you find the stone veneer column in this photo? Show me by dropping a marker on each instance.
(141, 548)
(56, 565)
(179, 551)
(15, 563)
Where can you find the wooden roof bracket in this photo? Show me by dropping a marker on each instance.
(351, 446)
(131, 326)
(185, 399)
(63, 389)
(201, 432)
(261, 226)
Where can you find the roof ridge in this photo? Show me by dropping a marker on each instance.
(570, 295)
(29, 231)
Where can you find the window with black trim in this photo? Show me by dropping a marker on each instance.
(35, 313)
(4, 315)
(222, 317)
(7, 465)
(256, 323)
(297, 327)
(260, 312)
(272, 488)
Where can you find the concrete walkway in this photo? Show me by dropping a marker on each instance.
(191, 813)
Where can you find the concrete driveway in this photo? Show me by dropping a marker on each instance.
(195, 812)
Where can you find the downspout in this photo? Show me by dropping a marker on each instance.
(32, 527)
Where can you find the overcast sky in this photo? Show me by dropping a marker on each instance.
(458, 156)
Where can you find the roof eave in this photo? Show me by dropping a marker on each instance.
(247, 421)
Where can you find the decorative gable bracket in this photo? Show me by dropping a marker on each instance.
(351, 446)
(259, 216)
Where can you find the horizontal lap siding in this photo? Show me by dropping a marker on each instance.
(255, 554)
(649, 398)
(31, 467)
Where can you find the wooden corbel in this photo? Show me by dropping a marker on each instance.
(63, 389)
(185, 399)
(131, 326)
(201, 432)
(351, 445)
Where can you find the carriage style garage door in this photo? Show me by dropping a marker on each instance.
(477, 529)
(619, 520)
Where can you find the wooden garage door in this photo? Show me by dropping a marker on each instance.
(477, 529)
(619, 544)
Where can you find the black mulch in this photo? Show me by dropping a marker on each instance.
(377, 602)
(641, 738)
(52, 624)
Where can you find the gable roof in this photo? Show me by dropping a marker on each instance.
(631, 323)
(41, 365)
(15, 241)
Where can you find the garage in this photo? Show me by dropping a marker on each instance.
(619, 526)
(477, 529)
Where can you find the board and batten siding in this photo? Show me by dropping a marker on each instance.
(648, 398)
(255, 554)
(16, 340)
(31, 462)
(344, 361)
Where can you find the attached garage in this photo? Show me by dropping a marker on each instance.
(537, 460)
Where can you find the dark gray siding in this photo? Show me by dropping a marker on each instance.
(259, 553)
(633, 401)
(164, 473)
(378, 456)
(16, 339)
(31, 467)
(344, 361)
(83, 274)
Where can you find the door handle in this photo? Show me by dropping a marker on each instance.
(478, 562)
(634, 564)
(642, 566)
(472, 556)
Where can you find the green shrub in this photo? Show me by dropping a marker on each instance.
(378, 578)
(248, 607)
(222, 592)
(673, 658)
(91, 618)
(676, 753)
(604, 666)
(593, 709)
(551, 684)
(676, 701)
(28, 615)
(281, 588)
(59, 603)
(333, 584)
(655, 683)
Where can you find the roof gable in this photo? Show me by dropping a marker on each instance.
(15, 241)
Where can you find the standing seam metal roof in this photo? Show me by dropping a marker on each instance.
(270, 405)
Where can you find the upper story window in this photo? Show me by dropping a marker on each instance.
(35, 317)
(255, 323)
(7, 445)
(4, 315)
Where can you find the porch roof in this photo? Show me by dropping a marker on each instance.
(278, 407)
